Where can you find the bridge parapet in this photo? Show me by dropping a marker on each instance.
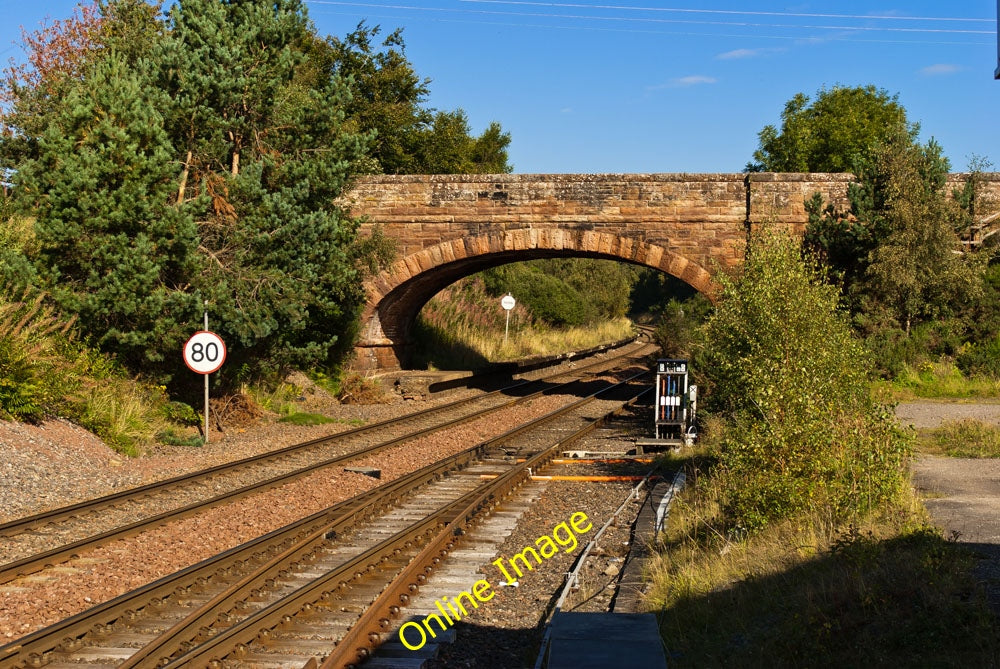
(450, 226)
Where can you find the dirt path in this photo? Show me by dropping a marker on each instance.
(962, 495)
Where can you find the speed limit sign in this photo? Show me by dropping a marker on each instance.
(204, 352)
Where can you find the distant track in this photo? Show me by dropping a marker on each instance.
(229, 591)
(185, 495)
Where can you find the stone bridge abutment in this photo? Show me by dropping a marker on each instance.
(449, 226)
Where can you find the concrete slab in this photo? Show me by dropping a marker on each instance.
(604, 640)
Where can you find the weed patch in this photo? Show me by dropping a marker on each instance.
(938, 380)
(171, 438)
(299, 418)
(357, 389)
(967, 438)
(886, 590)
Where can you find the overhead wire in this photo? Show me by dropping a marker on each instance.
(440, 15)
(634, 31)
(742, 12)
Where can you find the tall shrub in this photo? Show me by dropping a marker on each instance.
(793, 384)
(264, 155)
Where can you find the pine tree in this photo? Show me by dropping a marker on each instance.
(265, 155)
(110, 247)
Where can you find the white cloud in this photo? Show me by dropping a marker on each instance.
(693, 80)
(939, 69)
(738, 53)
(683, 82)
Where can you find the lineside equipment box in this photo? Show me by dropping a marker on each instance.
(674, 406)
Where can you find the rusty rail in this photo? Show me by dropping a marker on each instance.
(291, 542)
(39, 561)
(234, 641)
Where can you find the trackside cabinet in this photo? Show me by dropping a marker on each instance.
(675, 401)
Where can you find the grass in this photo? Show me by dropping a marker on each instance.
(465, 346)
(462, 327)
(300, 418)
(123, 418)
(171, 438)
(538, 341)
(886, 591)
(966, 438)
(45, 372)
(937, 380)
(278, 399)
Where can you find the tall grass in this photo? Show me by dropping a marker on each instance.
(463, 327)
(44, 372)
(968, 438)
(887, 590)
(29, 359)
(938, 380)
(125, 419)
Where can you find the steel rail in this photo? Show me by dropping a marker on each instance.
(572, 578)
(172, 641)
(236, 638)
(68, 634)
(39, 561)
(21, 525)
(359, 642)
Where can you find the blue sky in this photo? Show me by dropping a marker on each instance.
(670, 86)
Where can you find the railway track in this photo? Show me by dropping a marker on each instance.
(605, 575)
(52, 537)
(165, 621)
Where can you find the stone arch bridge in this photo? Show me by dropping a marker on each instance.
(449, 226)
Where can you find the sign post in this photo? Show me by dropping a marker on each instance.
(507, 302)
(204, 353)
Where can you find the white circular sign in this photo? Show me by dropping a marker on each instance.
(507, 302)
(204, 352)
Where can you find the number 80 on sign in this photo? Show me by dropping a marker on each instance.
(204, 352)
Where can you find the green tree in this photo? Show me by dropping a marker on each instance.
(266, 154)
(388, 97)
(971, 206)
(791, 380)
(548, 297)
(110, 247)
(199, 157)
(916, 270)
(446, 147)
(895, 251)
(605, 284)
(830, 133)
(58, 54)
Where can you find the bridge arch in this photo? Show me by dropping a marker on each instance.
(397, 294)
(450, 226)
